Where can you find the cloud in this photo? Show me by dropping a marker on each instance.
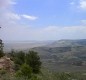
(6, 3)
(79, 4)
(12, 16)
(29, 17)
(82, 4)
(11, 31)
(83, 22)
(22, 32)
(8, 15)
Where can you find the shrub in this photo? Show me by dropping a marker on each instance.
(33, 60)
(25, 71)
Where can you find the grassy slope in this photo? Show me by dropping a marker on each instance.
(62, 58)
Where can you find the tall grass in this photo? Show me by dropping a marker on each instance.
(48, 75)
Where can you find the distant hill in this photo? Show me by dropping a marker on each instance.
(61, 55)
(64, 55)
(66, 43)
(23, 45)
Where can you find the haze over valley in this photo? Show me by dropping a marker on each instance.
(42, 39)
(60, 55)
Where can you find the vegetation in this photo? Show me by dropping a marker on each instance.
(30, 58)
(24, 71)
(1, 49)
(33, 60)
(46, 75)
(63, 58)
(27, 65)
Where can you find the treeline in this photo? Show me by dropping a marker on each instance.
(1, 49)
(25, 65)
(30, 58)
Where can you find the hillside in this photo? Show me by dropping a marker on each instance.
(65, 43)
(23, 45)
(56, 55)
(64, 55)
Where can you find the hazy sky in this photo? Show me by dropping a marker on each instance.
(42, 19)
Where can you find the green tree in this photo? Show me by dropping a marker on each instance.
(19, 59)
(1, 49)
(33, 60)
(24, 71)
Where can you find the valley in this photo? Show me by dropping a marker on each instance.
(61, 55)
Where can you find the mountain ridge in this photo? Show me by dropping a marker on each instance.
(68, 53)
(67, 42)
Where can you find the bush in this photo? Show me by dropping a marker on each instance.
(18, 58)
(1, 54)
(1, 49)
(25, 71)
(33, 60)
(2, 72)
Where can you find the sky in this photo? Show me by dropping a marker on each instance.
(23, 20)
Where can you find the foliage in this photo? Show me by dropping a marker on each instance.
(2, 72)
(49, 75)
(33, 60)
(1, 49)
(4, 75)
(1, 54)
(25, 71)
(18, 58)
